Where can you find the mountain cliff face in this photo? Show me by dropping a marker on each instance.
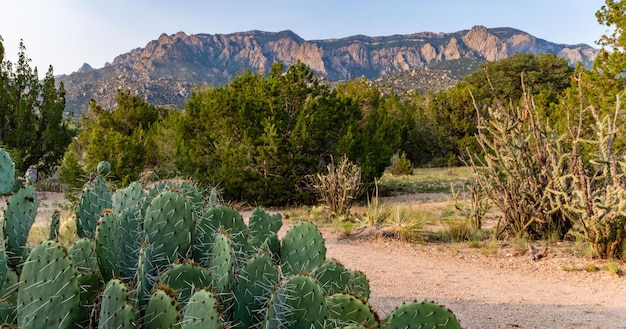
(166, 70)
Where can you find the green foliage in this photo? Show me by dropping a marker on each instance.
(120, 135)
(33, 128)
(456, 111)
(400, 165)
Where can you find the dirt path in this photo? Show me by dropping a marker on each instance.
(501, 291)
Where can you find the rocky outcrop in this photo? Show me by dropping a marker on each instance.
(166, 69)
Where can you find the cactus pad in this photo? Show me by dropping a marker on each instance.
(346, 309)
(7, 173)
(252, 290)
(202, 312)
(48, 289)
(421, 315)
(302, 249)
(162, 310)
(169, 227)
(115, 311)
(298, 303)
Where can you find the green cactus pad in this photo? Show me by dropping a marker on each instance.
(190, 191)
(185, 279)
(345, 309)
(7, 173)
(83, 255)
(131, 196)
(103, 168)
(202, 312)
(10, 286)
(115, 311)
(169, 226)
(212, 222)
(93, 200)
(262, 225)
(55, 225)
(359, 285)
(421, 315)
(8, 313)
(298, 303)
(130, 237)
(302, 249)
(222, 262)
(333, 277)
(19, 216)
(146, 274)
(252, 290)
(48, 292)
(107, 248)
(271, 245)
(162, 310)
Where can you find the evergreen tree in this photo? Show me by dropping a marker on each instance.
(32, 127)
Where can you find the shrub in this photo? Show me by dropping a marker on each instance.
(400, 165)
(340, 187)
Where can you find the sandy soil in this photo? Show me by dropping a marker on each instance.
(503, 290)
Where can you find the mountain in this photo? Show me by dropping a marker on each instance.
(166, 70)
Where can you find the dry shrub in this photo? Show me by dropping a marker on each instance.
(340, 187)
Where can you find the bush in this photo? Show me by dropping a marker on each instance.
(400, 165)
(340, 187)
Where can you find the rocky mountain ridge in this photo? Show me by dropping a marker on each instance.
(166, 69)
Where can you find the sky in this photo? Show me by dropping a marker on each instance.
(68, 33)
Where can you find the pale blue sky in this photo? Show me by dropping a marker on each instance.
(68, 33)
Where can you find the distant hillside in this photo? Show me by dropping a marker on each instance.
(166, 69)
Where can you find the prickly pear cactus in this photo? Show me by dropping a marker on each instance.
(211, 223)
(55, 225)
(115, 311)
(421, 315)
(7, 173)
(184, 279)
(262, 225)
(131, 196)
(83, 256)
(8, 314)
(107, 246)
(202, 311)
(103, 168)
(332, 276)
(147, 274)
(345, 309)
(162, 310)
(302, 249)
(359, 285)
(93, 200)
(298, 303)
(271, 245)
(169, 226)
(10, 286)
(48, 290)
(19, 217)
(221, 263)
(118, 240)
(130, 232)
(252, 290)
